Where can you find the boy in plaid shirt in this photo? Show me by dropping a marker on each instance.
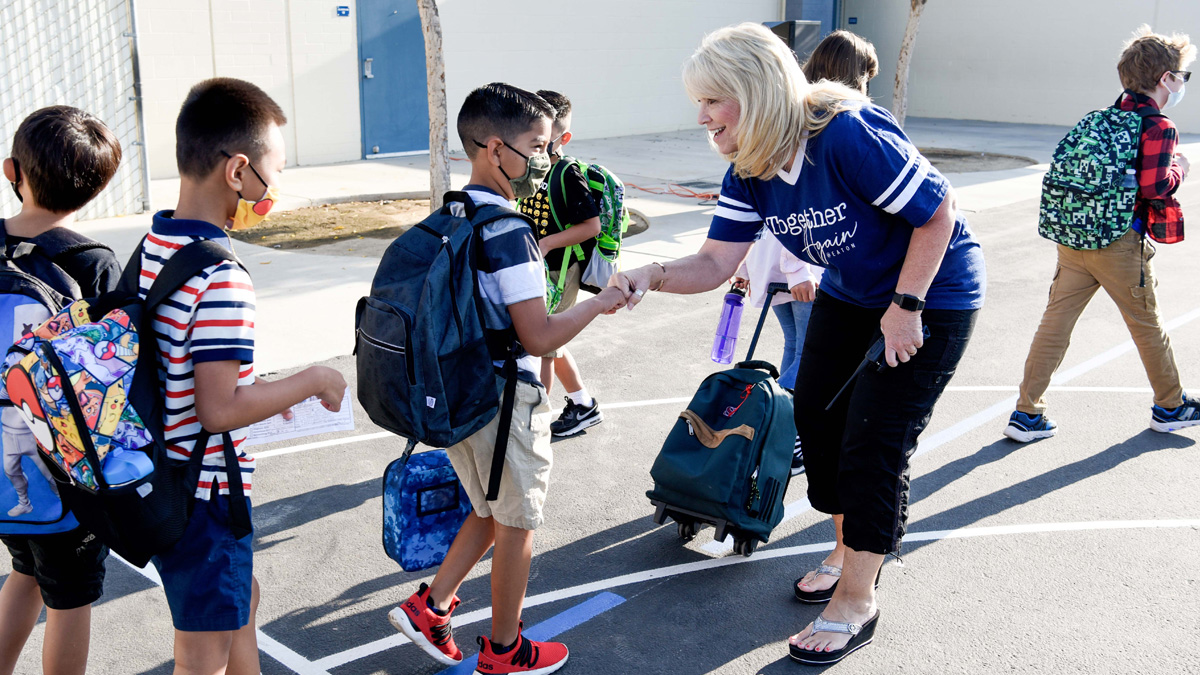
(1152, 72)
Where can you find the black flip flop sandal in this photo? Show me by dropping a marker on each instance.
(860, 636)
(818, 597)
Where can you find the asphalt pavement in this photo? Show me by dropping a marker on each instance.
(1071, 555)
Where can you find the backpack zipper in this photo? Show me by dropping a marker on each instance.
(754, 492)
(453, 301)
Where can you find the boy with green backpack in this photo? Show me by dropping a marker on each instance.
(1111, 184)
(580, 216)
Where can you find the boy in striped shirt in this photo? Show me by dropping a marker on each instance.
(230, 153)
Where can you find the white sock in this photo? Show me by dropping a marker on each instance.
(581, 397)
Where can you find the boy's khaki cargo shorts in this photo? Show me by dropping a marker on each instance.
(527, 462)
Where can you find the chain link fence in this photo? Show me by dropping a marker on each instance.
(79, 53)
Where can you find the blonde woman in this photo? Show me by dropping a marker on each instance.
(842, 187)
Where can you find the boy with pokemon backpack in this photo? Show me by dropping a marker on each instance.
(62, 157)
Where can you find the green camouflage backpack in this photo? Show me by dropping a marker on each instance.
(1088, 194)
(603, 259)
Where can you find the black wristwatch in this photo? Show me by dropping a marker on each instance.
(907, 302)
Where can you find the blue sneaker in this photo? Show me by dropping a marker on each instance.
(1024, 428)
(1186, 415)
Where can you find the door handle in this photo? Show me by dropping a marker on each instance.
(367, 69)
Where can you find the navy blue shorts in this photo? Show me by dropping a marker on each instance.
(207, 575)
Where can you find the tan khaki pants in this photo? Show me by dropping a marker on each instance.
(1117, 269)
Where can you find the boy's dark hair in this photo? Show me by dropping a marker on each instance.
(227, 114)
(561, 103)
(66, 155)
(843, 57)
(499, 109)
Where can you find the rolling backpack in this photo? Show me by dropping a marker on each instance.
(1090, 190)
(727, 460)
(602, 259)
(32, 288)
(424, 357)
(96, 411)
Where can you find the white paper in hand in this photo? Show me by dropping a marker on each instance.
(309, 418)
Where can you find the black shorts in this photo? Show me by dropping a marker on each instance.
(68, 566)
(856, 454)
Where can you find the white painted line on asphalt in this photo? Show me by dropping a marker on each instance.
(1101, 390)
(267, 644)
(980, 418)
(322, 444)
(669, 401)
(341, 658)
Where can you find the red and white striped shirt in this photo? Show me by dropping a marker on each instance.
(211, 318)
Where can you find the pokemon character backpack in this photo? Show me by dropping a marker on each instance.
(96, 411)
(32, 288)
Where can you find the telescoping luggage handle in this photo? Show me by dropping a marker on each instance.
(762, 318)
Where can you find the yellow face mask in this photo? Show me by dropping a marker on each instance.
(250, 213)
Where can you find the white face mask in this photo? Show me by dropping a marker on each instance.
(1174, 97)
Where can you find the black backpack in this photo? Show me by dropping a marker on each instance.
(424, 356)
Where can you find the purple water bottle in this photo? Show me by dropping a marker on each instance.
(727, 328)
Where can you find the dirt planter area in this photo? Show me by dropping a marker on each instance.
(360, 229)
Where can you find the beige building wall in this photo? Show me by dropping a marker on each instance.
(299, 51)
(1031, 61)
(617, 60)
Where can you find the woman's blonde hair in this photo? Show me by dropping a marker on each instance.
(751, 65)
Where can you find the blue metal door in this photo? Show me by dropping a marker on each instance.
(391, 49)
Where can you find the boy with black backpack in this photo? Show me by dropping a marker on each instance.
(230, 153)
(567, 221)
(1111, 184)
(62, 157)
(506, 132)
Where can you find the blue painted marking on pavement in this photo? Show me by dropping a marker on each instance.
(554, 626)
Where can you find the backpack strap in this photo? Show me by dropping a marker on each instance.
(483, 215)
(239, 513)
(184, 264)
(59, 241)
(48, 246)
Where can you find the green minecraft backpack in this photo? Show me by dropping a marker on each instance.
(1088, 195)
(603, 259)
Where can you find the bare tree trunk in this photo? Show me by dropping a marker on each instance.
(900, 95)
(435, 75)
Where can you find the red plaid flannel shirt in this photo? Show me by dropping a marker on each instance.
(1158, 173)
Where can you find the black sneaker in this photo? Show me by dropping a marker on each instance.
(575, 418)
(797, 459)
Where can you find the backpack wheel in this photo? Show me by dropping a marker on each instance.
(687, 529)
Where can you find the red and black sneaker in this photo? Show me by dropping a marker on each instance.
(427, 629)
(533, 658)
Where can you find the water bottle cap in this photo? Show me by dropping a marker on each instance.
(737, 291)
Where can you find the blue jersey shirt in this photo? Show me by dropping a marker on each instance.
(849, 204)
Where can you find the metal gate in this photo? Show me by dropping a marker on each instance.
(80, 53)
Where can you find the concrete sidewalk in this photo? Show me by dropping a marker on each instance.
(306, 301)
